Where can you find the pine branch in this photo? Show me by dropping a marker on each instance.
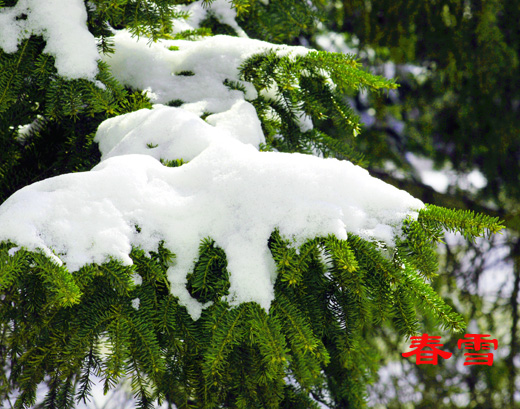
(465, 222)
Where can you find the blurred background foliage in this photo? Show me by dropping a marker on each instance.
(455, 119)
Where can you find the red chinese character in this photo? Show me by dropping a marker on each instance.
(426, 356)
(476, 342)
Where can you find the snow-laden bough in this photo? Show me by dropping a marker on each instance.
(229, 192)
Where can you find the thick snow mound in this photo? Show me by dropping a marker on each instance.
(63, 25)
(174, 133)
(229, 192)
(194, 72)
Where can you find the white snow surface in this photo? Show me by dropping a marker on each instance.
(63, 25)
(173, 133)
(229, 191)
(155, 67)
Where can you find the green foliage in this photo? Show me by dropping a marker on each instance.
(209, 280)
(54, 145)
(330, 294)
(273, 21)
(456, 62)
(465, 222)
(192, 34)
(62, 116)
(292, 88)
(278, 21)
(463, 110)
(151, 18)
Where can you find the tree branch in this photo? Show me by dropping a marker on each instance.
(429, 195)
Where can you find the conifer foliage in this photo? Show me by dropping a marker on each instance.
(117, 320)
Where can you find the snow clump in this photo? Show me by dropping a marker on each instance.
(174, 133)
(192, 72)
(63, 25)
(230, 192)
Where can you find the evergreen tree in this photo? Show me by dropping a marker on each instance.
(316, 341)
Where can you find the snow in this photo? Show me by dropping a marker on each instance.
(137, 279)
(441, 180)
(229, 191)
(63, 25)
(221, 9)
(172, 133)
(141, 65)
(136, 302)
